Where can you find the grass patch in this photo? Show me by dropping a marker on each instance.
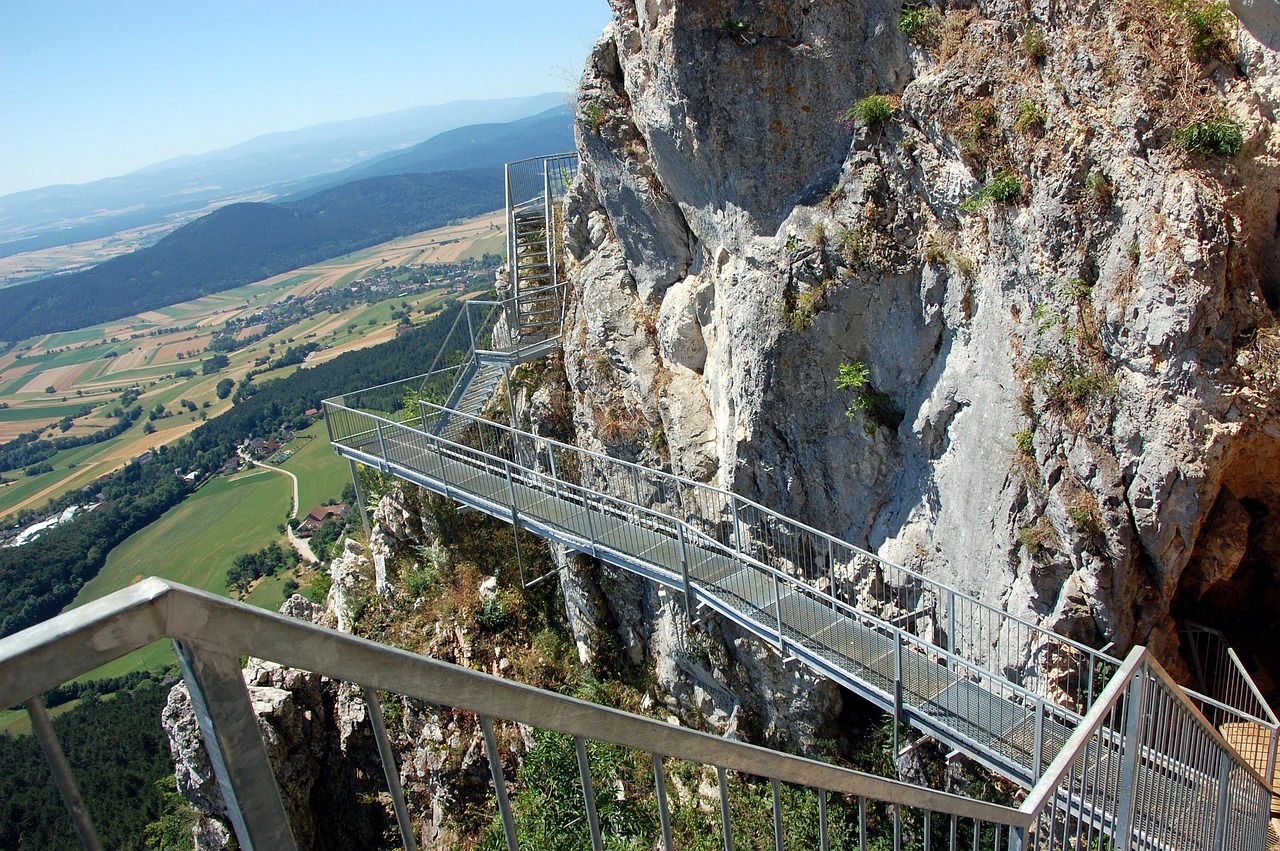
(1004, 188)
(1219, 136)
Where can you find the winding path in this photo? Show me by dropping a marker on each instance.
(299, 544)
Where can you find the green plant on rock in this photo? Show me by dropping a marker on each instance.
(876, 408)
(920, 24)
(740, 31)
(1098, 188)
(1220, 136)
(1208, 24)
(1034, 45)
(1004, 188)
(871, 111)
(1030, 118)
(1023, 439)
(595, 116)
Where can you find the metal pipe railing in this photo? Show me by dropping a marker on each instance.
(1146, 769)
(1054, 667)
(212, 633)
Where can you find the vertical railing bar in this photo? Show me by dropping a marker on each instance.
(588, 794)
(725, 825)
(63, 777)
(499, 782)
(824, 836)
(235, 748)
(664, 814)
(862, 823)
(777, 814)
(1131, 746)
(389, 767)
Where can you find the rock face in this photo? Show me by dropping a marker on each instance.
(319, 744)
(1069, 392)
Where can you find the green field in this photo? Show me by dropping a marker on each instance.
(321, 473)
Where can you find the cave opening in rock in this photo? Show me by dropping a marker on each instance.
(1232, 582)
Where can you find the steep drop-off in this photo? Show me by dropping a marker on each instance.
(1050, 280)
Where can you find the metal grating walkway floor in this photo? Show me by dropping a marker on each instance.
(973, 716)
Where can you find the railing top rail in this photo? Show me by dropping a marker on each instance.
(743, 501)
(83, 638)
(538, 159)
(1229, 709)
(1138, 661)
(1193, 627)
(1046, 787)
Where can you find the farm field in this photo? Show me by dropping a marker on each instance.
(195, 542)
(66, 384)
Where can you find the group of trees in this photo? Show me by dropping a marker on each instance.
(29, 449)
(39, 578)
(268, 561)
(121, 759)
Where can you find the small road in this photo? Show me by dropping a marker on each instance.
(299, 544)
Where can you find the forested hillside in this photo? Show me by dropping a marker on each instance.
(247, 242)
(38, 579)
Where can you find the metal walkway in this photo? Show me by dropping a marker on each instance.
(1114, 754)
(1004, 691)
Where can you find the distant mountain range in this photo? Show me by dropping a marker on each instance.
(451, 176)
(268, 166)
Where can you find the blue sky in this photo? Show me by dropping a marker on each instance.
(97, 88)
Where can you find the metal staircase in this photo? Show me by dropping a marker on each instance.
(1002, 690)
(1112, 753)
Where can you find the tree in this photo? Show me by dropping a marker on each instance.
(215, 362)
(223, 390)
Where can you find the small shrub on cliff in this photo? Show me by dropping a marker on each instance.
(1034, 46)
(1004, 188)
(1208, 23)
(877, 408)
(1220, 136)
(920, 24)
(872, 111)
(1030, 120)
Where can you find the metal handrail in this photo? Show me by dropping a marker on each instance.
(1144, 733)
(735, 507)
(211, 633)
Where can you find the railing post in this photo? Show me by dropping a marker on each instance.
(664, 814)
(382, 444)
(1224, 796)
(777, 610)
(515, 520)
(725, 826)
(777, 815)
(1271, 756)
(588, 794)
(63, 778)
(499, 782)
(236, 751)
(1132, 744)
(360, 498)
(737, 529)
(684, 572)
(897, 689)
(389, 768)
(1037, 756)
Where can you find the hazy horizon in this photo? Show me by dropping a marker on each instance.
(92, 91)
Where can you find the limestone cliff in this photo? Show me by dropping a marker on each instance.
(1058, 300)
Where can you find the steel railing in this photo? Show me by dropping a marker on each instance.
(1031, 657)
(542, 485)
(211, 634)
(1147, 770)
(1230, 699)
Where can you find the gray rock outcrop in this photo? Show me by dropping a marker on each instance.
(1080, 380)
